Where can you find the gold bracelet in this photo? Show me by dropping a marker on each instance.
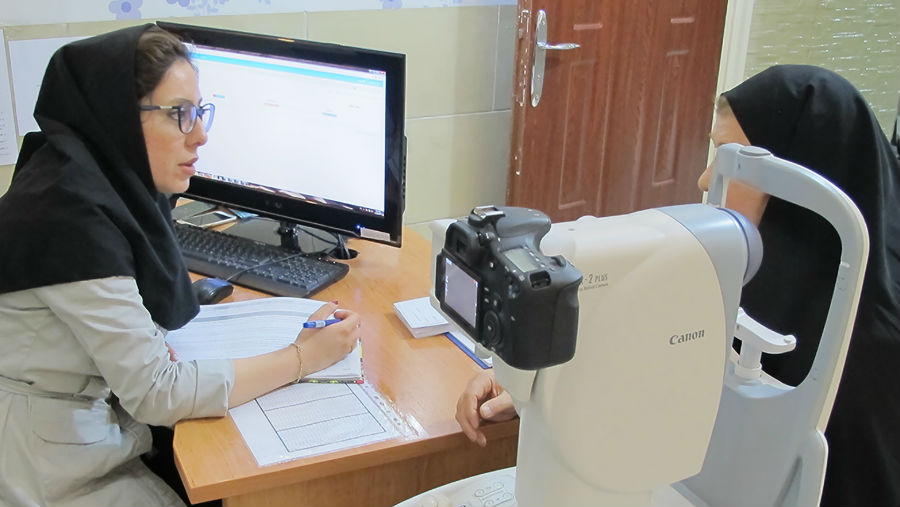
(299, 362)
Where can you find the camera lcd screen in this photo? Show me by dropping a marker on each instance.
(460, 292)
(521, 259)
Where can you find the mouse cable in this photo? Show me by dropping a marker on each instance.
(342, 245)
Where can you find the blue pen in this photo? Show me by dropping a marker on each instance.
(320, 323)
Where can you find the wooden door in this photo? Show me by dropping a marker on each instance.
(623, 120)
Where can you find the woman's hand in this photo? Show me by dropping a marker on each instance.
(172, 355)
(483, 398)
(325, 346)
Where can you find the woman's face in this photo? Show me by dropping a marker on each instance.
(172, 154)
(742, 198)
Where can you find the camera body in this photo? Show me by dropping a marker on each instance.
(492, 280)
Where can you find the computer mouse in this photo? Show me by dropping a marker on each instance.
(210, 291)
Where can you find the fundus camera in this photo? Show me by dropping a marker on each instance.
(492, 279)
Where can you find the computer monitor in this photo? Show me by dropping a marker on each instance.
(305, 132)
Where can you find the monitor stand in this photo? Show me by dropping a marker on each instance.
(290, 236)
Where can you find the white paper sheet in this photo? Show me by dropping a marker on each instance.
(420, 318)
(419, 313)
(212, 334)
(8, 148)
(297, 420)
(302, 420)
(28, 60)
(250, 328)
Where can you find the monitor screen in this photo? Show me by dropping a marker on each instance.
(304, 132)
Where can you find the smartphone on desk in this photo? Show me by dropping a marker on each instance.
(190, 209)
(210, 219)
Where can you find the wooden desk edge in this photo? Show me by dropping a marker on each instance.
(349, 460)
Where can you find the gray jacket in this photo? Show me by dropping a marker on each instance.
(83, 370)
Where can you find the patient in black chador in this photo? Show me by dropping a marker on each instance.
(817, 119)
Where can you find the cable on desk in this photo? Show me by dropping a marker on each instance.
(266, 262)
(342, 245)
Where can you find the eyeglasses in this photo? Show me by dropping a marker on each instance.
(188, 114)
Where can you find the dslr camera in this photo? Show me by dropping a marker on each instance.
(493, 281)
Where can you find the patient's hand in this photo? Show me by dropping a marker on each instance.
(483, 398)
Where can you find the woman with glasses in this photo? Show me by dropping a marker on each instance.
(91, 279)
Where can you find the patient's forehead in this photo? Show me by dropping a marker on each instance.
(726, 129)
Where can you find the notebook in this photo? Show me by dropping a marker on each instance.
(249, 328)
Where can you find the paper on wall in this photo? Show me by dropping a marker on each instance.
(28, 60)
(8, 148)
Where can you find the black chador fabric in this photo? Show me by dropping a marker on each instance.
(82, 204)
(817, 119)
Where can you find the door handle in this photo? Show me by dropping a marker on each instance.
(541, 46)
(559, 47)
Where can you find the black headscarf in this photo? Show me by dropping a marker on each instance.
(816, 118)
(82, 204)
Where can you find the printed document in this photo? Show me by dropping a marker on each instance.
(302, 420)
(297, 420)
(257, 326)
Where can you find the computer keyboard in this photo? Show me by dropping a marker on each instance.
(254, 264)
